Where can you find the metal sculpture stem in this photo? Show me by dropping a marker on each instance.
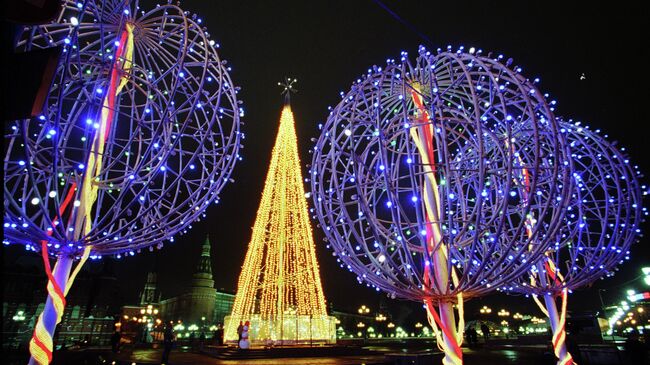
(42, 344)
(88, 194)
(558, 325)
(550, 310)
(424, 140)
(60, 280)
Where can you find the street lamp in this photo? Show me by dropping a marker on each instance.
(390, 325)
(518, 316)
(503, 313)
(380, 318)
(364, 310)
(418, 325)
(20, 316)
(486, 310)
(360, 326)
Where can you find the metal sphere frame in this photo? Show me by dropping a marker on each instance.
(175, 139)
(490, 124)
(601, 222)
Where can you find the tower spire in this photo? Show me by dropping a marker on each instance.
(205, 250)
(203, 273)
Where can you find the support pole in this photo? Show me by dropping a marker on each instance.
(448, 319)
(61, 273)
(559, 331)
(558, 320)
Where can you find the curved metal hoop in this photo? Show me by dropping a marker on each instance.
(175, 139)
(492, 130)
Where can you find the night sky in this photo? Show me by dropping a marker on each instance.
(328, 44)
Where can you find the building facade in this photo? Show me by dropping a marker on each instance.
(197, 305)
(201, 307)
(223, 306)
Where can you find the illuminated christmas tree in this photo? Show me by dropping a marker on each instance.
(279, 289)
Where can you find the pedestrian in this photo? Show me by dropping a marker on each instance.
(115, 341)
(472, 336)
(240, 329)
(201, 340)
(219, 334)
(168, 343)
(486, 332)
(192, 340)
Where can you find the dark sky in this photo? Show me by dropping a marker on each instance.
(327, 44)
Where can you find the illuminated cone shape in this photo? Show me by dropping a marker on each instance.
(279, 289)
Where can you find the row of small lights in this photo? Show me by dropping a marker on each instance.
(628, 316)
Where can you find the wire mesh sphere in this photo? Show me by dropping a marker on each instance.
(422, 157)
(151, 87)
(602, 221)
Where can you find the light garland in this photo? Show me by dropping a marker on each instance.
(413, 185)
(144, 141)
(279, 285)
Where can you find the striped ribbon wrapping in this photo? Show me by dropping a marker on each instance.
(41, 345)
(559, 328)
(423, 138)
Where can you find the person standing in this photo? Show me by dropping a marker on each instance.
(486, 332)
(192, 341)
(240, 329)
(201, 340)
(115, 341)
(219, 334)
(168, 343)
(472, 336)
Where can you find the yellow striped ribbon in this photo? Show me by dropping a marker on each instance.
(41, 345)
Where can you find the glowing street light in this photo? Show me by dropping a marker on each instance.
(380, 318)
(518, 316)
(361, 325)
(19, 317)
(503, 313)
(390, 325)
(538, 320)
(364, 310)
(486, 310)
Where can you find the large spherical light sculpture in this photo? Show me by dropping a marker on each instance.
(602, 221)
(140, 134)
(414, 180)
